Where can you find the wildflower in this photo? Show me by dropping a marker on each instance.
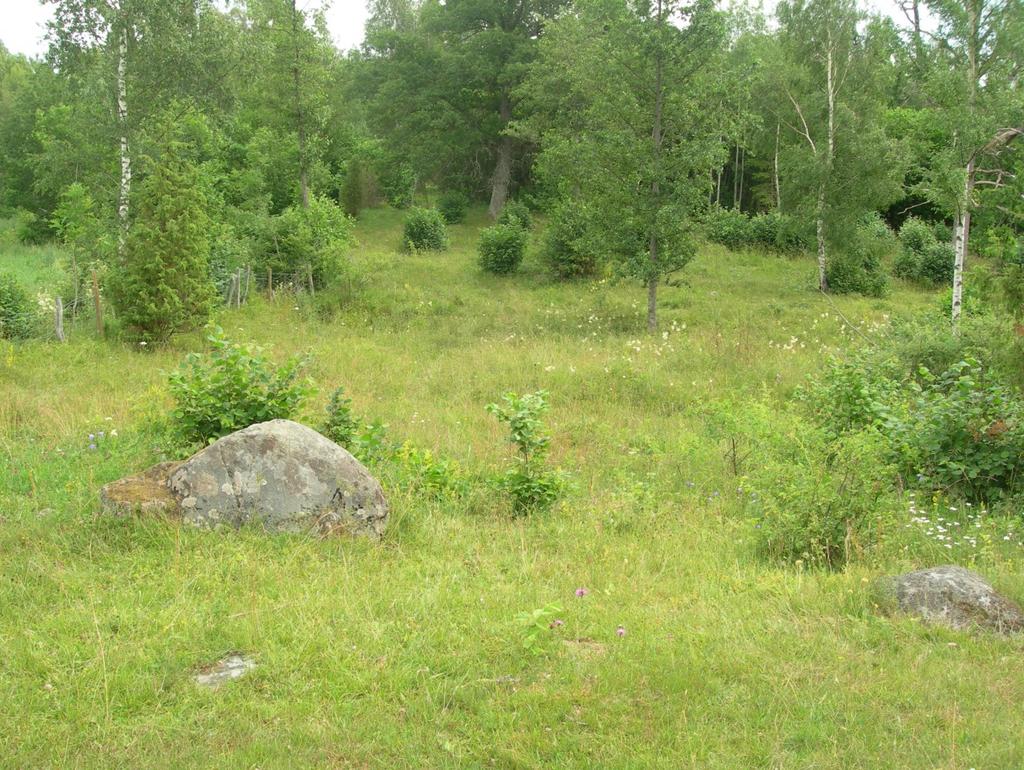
(621, 630)
(142, 344)
(92, 447)
(556, 623)
(581, 592)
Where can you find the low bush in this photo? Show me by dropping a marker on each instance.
(17, 310)
(857, 268)
(936, 264)
(770, 230)
(565, 251)
(729, 227)
(341, 425)
(516, 213)
(501, 248)
(530, 484)
(309, 239)
(823, 503)
(425, 230)
(453, 205)
(923, 258)
(231, 387)
(961, 430)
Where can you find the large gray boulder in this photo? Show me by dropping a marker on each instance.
(952, 596)
(279, 474)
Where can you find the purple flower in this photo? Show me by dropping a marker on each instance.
(92, 447)
(556, 623)
(92, 437)
(621, 630)
(582, 591)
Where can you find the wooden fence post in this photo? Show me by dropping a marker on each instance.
(270, 281)
(58, 319)
(97, 306)
(312, 292)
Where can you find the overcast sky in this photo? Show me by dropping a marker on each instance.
(22, 23)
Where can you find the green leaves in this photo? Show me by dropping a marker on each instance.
(232, 387)
(530, 484)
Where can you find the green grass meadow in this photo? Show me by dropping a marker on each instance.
(409, 653)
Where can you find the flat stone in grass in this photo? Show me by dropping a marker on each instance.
(279, 474)
(145, 492)
(224, 670)
(951, 596)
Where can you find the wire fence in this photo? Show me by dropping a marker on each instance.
(51, 317)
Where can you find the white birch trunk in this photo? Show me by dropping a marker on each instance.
(778, 191)
(961, 233)
(124, 190)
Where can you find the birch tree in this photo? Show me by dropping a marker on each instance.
(840, 160)
(621, 92)
(977, 98)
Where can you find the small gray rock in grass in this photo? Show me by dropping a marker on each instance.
(278, 474)
(951, 596)
(224, 670)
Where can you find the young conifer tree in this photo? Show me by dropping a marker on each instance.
(162, 284)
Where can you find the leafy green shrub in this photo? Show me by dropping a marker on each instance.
(397, 182)
(341, 425)
(453, 205)
(427, 472)
(425, 230)
(17, 311)
(916, 235)
(821, 503)
(936, 266)
(962, 429)
(729, 227)
(565, 251)
(232, 387)
(501, 248)
(358, 190)
(30, 228)
(530, 483)
(516, 213)
(907, 265)
(858, 267)
(303, 239)
(162, 284)
(922, 257)
(765, 229)
(851, 394)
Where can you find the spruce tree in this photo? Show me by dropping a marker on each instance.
(163, 283)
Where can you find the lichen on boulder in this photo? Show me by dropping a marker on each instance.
(278, 474)
(950, 596)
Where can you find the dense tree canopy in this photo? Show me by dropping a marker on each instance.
(640, 116)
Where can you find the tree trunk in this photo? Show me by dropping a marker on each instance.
(503, 168)
(736, 178)
(961, 234)
(655, 268)
(820, 232)
(775, 168)
(743, 164)
(124, 190)
(299, 116)
(821, 206)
